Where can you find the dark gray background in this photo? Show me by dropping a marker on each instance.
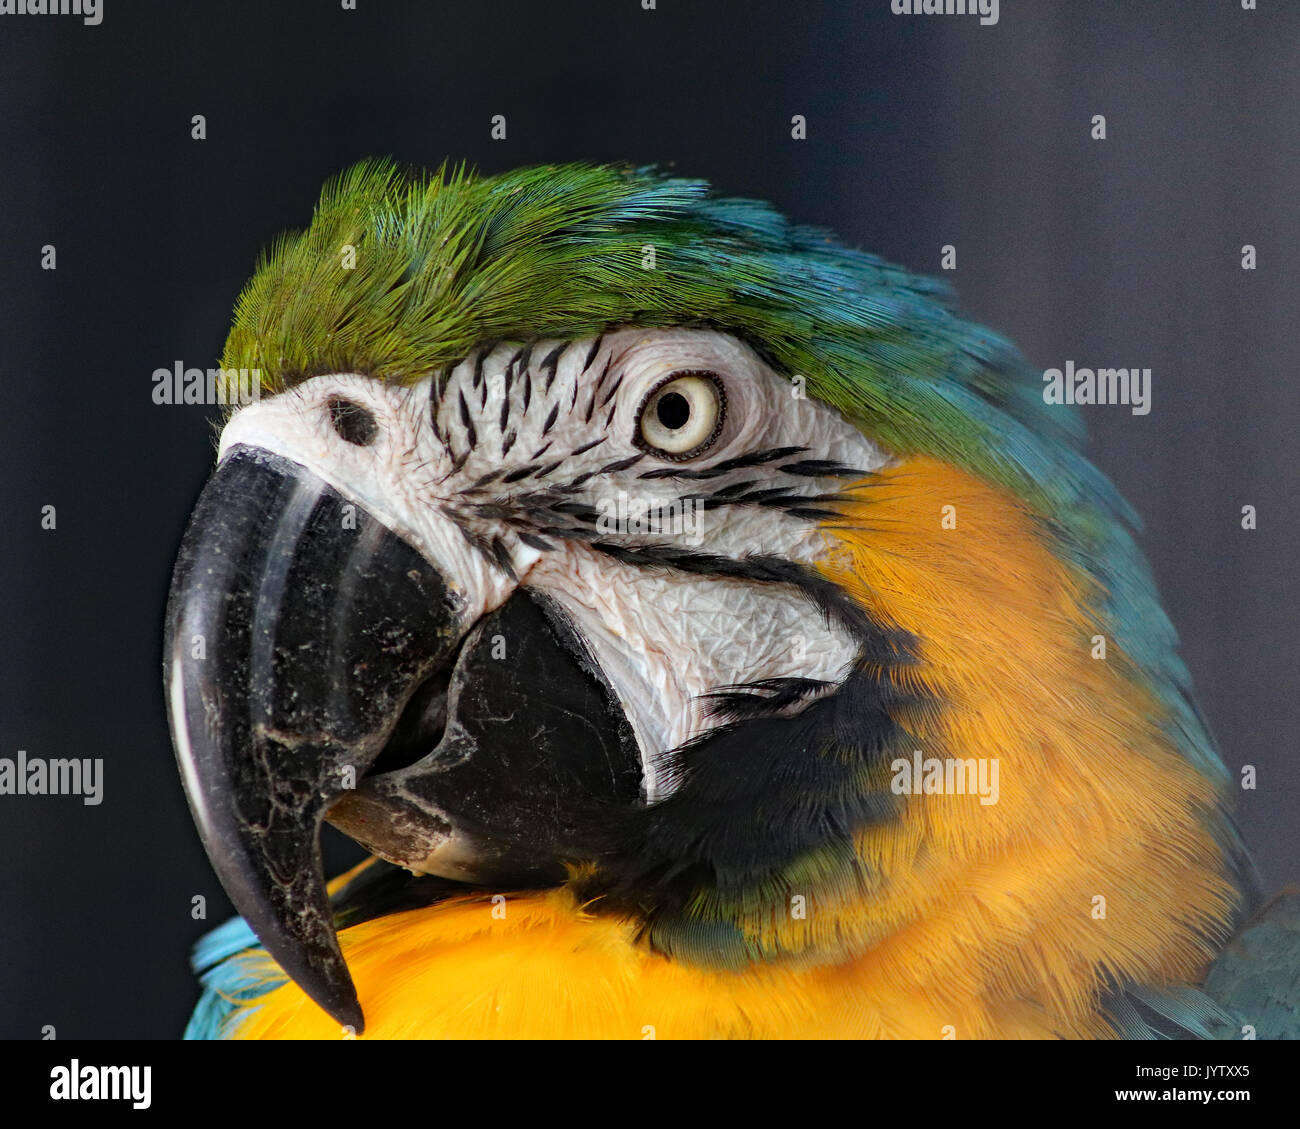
(922, 131)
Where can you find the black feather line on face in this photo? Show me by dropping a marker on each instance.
(724, 492)
(532, 540)
(435, 403)
(483, 354)
(551, 363)
(822, 468)
(526, 356)
(763, 697)
(438, 385)
(621, 464)
(501, 557)
(578, 510)
(492, 549)
(756, 458)
(810, 513)
(457, 464)
(511, 369)
(467, 421)
(759, 497)
(611, 391)
(482, 545)
(551, 417)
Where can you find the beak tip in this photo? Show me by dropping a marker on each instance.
(350, 1016)
(326, 981)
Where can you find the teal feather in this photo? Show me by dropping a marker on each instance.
(1257, 976)
(227, 982)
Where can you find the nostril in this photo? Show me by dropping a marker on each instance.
(354, 423)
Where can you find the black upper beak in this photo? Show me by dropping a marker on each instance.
(298, 626)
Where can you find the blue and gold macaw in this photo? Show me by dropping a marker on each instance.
(709, 632)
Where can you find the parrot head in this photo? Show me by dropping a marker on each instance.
(594, 531)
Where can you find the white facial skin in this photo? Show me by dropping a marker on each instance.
(478, 499)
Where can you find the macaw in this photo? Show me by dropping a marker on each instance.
(708, 631)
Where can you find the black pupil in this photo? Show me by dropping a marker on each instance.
(673, 410)
(353, 422)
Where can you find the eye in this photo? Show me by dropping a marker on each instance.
(354, 423)
(681, 416)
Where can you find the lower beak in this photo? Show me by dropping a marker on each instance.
(298, 627)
